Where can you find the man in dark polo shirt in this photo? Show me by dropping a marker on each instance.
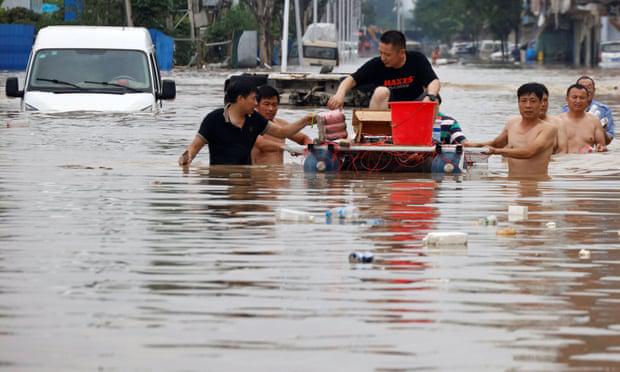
(397, 75)
(231, 131)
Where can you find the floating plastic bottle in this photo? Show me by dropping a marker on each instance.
(489, 220)
(349, 212)
(284, 214)
(361, 257)
(437, 132)
(445, 238)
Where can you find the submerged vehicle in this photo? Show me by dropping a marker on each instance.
(84, 68)
(610, 54)
(320, 46)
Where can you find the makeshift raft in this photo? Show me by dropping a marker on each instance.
(373, 149)
(334, 157)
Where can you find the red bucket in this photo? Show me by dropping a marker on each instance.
(412, 123)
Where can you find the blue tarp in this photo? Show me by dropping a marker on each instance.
(73, 8)
(15, 46)
(164, 49)
(49, 8)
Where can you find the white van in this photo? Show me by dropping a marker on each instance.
(320, 46)
(610, 54)
(84, 68)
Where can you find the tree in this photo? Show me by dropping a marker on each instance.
(262, 11)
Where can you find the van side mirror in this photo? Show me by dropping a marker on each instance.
(168, 90)
(12, 88)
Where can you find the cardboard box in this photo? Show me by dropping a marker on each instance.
(372, 122)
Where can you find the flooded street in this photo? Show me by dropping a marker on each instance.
(113, 258)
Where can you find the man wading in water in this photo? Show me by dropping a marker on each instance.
(526, 141)
(231, 131)
(583, 131)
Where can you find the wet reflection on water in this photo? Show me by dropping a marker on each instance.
(113, 255)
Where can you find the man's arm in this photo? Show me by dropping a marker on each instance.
(337, 100)
(289, 130)
(298, 137)
(301, 138)
(433, 89)
(600, 138)
(268, 145)
(610, 131)
(192, 150)
(500, 141)
(545, 139)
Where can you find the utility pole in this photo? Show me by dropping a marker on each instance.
(287, 7)
(300, 48)
(128, 13)
(315, 11)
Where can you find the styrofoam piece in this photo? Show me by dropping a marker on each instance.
(285, 214)
(517, 213)
(445, 238)
(551, 225)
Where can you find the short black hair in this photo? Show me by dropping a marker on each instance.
(267, 91)
(529, 88)
(585, 77)
(238, 88)
(545, 90)
(578, 86)
(395, 38)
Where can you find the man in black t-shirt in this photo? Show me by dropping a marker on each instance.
(231, 131)
(398, 75)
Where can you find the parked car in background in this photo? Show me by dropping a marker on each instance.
(462, 48)
(488, 47)
(85, 68)
(610, 54)
(414, 46)
(507, 55)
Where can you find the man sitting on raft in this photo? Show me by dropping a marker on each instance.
(397, 75)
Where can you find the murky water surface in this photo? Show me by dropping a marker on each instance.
(113, 258)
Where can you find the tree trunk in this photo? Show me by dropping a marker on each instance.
(262, 11)
(128, 13)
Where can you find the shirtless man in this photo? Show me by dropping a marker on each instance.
(584, 132)
(562, 143)
(269, 150)
(526, 141)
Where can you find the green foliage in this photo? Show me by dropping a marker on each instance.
(27, 16)
(238, 18)
(445, 19)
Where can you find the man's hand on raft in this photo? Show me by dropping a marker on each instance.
(336, 102)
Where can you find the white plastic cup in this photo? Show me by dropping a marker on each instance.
(517, 213)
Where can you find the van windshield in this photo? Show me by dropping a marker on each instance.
(611, 48)
(90, 70)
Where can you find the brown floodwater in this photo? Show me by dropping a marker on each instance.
(114, 258)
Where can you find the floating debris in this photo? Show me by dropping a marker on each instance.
(284, 214)
(361, 257)
(517, 213)
(509, 231)
(584, 254)
(445, 238)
